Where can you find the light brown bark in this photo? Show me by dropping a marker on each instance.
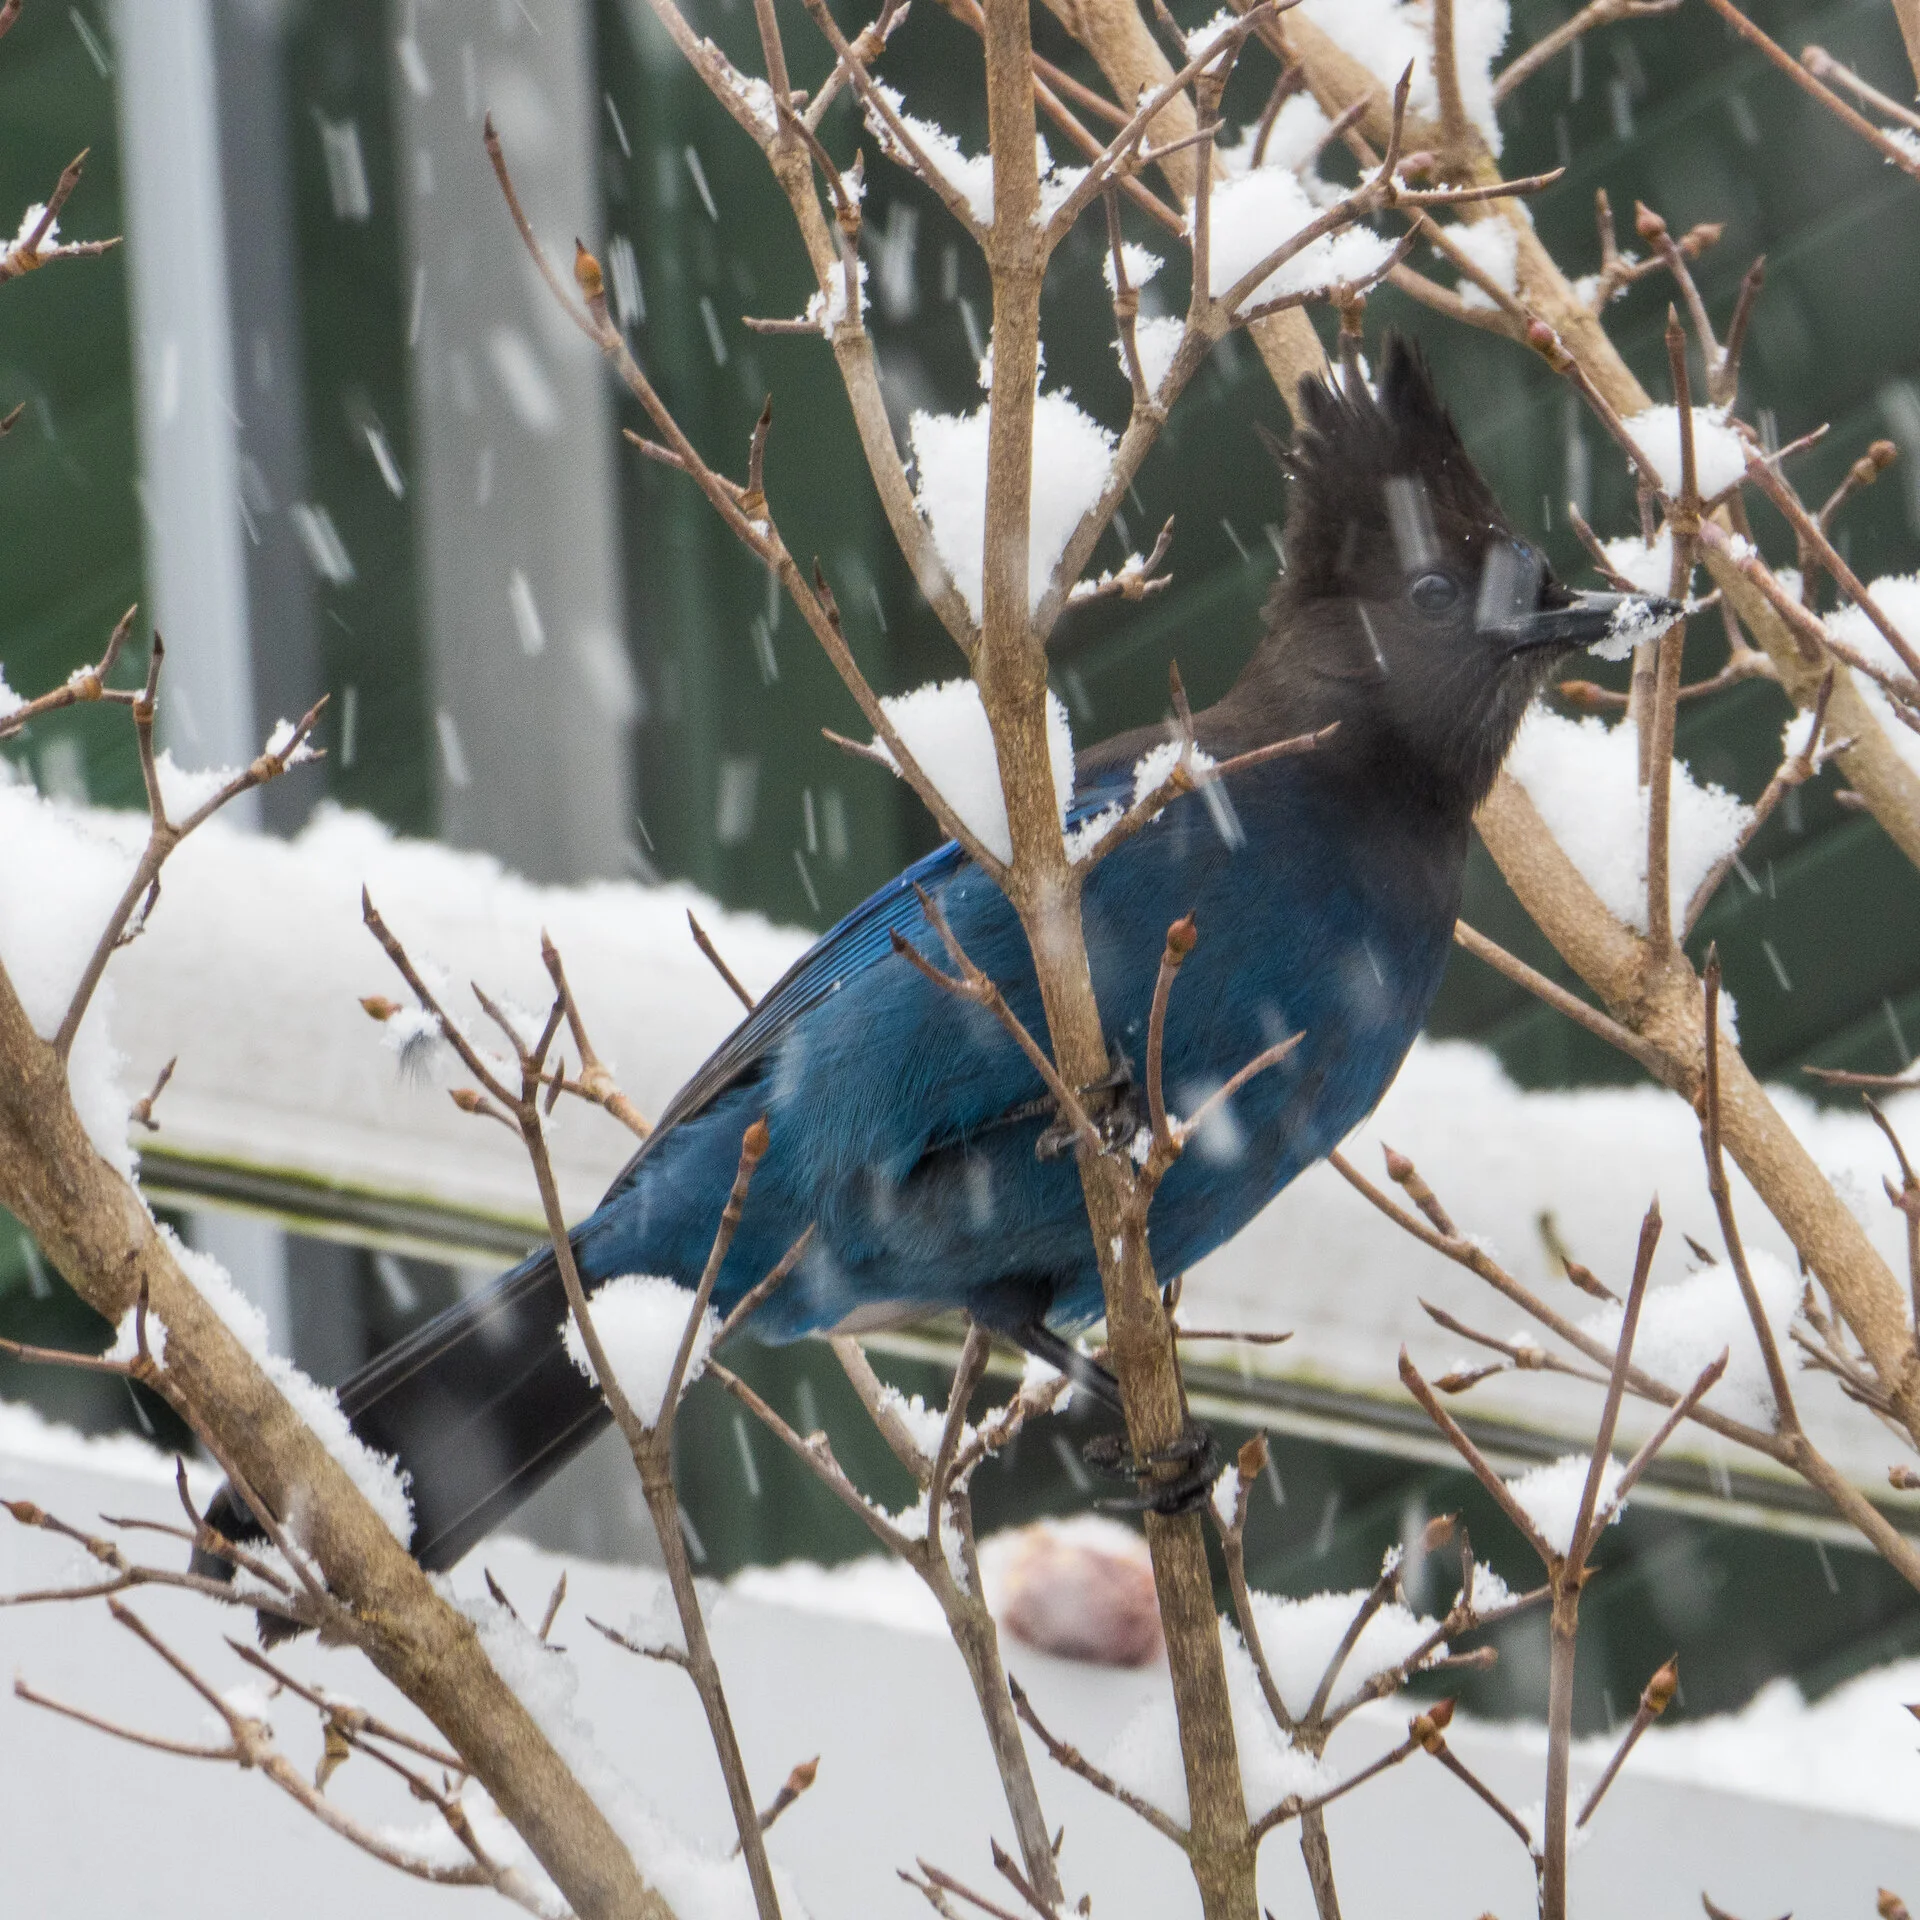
(92, 1226)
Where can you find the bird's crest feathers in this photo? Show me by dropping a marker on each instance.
(1353, 444)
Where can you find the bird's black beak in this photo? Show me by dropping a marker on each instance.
(1589, 618)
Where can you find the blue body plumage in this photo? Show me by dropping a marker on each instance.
(905, 1125)
(888, 1100)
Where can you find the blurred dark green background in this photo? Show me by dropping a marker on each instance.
(1823, 957)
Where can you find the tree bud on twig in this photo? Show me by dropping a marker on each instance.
(1438, 1532)
(1428, 1728)
(1548, 344)
(1182, 937)
(586, 272)
(1659, 1691)
(1590, 1282)
(1889, 1906)
(1648, 224)
(1904, 1478)
(378, 1007)
(753, 1143)
(1252, 1458)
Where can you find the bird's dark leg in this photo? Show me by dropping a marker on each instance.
(1114, 1103)
(1195, 1453)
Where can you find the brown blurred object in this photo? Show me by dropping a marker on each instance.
(1061, 1593)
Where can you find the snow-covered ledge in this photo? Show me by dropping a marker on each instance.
(256, 960)
(1782, 1807)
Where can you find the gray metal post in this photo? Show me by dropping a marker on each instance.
(222, 431)
(519, 551)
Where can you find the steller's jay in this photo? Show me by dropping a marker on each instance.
(904, 1123)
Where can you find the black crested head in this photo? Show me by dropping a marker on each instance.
(1409, 611)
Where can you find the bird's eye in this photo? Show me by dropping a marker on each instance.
(1435, 593)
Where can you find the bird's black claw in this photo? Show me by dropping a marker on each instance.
(1196, 1453)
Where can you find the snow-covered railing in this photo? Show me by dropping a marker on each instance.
(288, 1100)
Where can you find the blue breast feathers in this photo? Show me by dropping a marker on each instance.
(903, 1122)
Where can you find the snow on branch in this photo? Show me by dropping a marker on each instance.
(1386, 36)
(1583, 776)
(1072, 459)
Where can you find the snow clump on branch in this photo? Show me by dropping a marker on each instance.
(1584, 778)
(969, 176)
(377, 1475)
(1258, 212)
(944, 726)
(1299, 1638)
(1550, 1496)
(1648, 567)
(1493, 246)
(1298, 133)
(1719, 453)
(1146, 1757)
(1072, 458)
(1384, 35)
(1684, 1328)
(641, 1319)
(1897, 595)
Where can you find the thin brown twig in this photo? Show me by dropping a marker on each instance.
(1654, 1699)
(1076, 1762)
(1596, 13)
(84, 683)
(1557, 997)
(1803, 77)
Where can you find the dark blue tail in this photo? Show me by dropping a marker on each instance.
(481, 1407)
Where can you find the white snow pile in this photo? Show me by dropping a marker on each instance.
(376, 1475)
(58, 884)
(1493, 245)
(185, 790)
(1489, 1590)
(1685, 1327)
(1648, 567)
(1299, 1637)
(1072, 457)
(693, 1878)
(1897, 595)
(829, 307)
(1295, 138)
(10, 702)
(1719, 454)
(1141, 263)
(944, 726)
(1550, 1495)
(1584, 778)
(1260, 211)
(1383, 35)
(967, 175)
(924, 1424)
(875, 1588)
(1154, 767)
(1145, 1759)
(1156, 339)
(49, 241)
(27, 1438)
(641, 1319)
